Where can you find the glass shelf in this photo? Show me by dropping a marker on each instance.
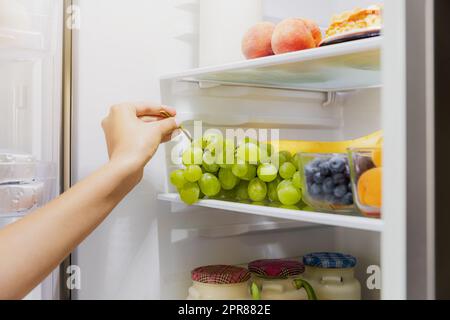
(341, 67)
(338, 220)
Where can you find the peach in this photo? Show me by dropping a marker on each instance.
(315, 31)
(292, 35)
(257, 41)
(369, 188)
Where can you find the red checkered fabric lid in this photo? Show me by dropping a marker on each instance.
(220, 274)
(276, 268)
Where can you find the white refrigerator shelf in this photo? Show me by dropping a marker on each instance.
(339, 220)
(341, 67)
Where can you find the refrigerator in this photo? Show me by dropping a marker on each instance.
(93, 54)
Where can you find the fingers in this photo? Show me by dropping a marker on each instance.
(167, 126)
(146, 109)
(141, 109)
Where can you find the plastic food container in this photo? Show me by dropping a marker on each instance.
(281, 280)
(16, 168)
(220, 282)
(366, 174)
(25, 184)
(326, 182)
(332, 276)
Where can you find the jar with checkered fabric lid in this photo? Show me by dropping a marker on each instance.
(220, 282)
(279, 279)
(332, 275)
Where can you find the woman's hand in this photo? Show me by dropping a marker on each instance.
(133, 133)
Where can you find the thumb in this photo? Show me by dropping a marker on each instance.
(167, 126)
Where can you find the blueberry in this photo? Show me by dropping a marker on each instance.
(315, 189)
(339, 178)
(337, 164)
(330, 198)
(340, 191)
(350, 187)
(347, 199)
(324, 168)
(316, 162)
(318, 178)
(328, 186)
(310, 170)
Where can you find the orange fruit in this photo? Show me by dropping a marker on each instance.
(369, 188)
(377, 157)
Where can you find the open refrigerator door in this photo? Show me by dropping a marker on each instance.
(323, 100)
(30, 95)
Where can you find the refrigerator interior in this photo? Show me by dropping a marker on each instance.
(30, 86)
(150, 246)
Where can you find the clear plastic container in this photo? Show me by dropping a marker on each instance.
(366, 174)
(25, 184)
(326, 182)
(17, 168)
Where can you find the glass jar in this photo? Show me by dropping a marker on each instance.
(332, 276)
(220, 282)
(326, 182)
(366, 173)
(280, 280)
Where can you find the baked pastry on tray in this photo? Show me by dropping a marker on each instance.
(356, 24)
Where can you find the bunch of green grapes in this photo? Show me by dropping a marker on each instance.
(248, 172)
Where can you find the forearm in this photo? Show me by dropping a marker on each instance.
(31, 248)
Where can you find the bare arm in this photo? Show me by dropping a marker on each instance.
(32, 247)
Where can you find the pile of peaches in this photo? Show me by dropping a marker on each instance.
(292, 34)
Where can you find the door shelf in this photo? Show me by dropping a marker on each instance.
(341, 67)
(348, 221)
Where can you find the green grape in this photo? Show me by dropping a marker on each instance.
(193, 156)
(308, 208)
(264, 153)
(257, 190)
(190, 193)
(278, 159)
(297, 180)
(251, 173)
(240, 170)
(209, 185)
(296, 161)
(227, 194)
(242, 191)
(287, 155)
(225, 155)
(211, 168)
(227, 179)
(209, 163)
(267, 148)
(248, 152)
(198, 143)
(212, 140)
(284, 184)
(193, 173)
(267, 172)
(289, 195)
(272, 192)
(287, 170)
(177, 178)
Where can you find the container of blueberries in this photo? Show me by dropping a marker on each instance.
(326, 182)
